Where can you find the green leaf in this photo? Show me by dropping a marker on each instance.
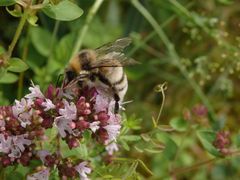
(54, 174)
(171, 147)
(2, 50)
(130, 138)
(165, 128)
(144, 166)
(17, 171)
(8, 78)
(225, 2)
(87, 135)
(17, 65)
(33, 20)
(41, 40)
(63, 11)
(207, 138)
(79, 152)
(237, 140)
(146, 137)
(124, 145)
(61, 53)
(7, 2)
(131, 170)
(179, 124)
(139, 149)
(154, 151)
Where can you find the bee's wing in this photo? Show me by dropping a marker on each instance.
(116, 60)
(111, 55)
(116, 46)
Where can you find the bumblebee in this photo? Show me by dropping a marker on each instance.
(105, 65)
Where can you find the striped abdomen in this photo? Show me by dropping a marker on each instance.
(118, 79)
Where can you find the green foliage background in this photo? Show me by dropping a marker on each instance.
(192, 45)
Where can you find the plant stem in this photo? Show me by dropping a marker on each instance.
(160, 88)
(24, 57)
(129, 160)
(53, 39)
(54, 35)
(150, 36)
(17, 34)
(153, 33)
(173, 54)
(82, 32)
(195, 166)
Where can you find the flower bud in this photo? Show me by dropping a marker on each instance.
(82, 125)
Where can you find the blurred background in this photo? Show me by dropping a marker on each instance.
(192, 45)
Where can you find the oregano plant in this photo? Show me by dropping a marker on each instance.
(179, 119)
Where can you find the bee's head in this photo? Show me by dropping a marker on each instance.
(81, 62)
(69, 75)
(86, 57)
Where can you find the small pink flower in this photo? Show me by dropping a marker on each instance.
(63, 125)
(25, 118)
(113, 131)
(22, 111)
(15, 152)
(102, 103)
(21, 106)
(69, 111)
(200, 110)
(20, 140)
(94, 126)
(18, 145)
(13, 144)
(48, 105)
(40, 175)
(83, 170)
(5, 143)
(35, 92)
(222, 142)
(2, 125)
(42, 155)
(114, 118)
(111, 148)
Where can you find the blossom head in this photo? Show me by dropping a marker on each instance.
(73, 112)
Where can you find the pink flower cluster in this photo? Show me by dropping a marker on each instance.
(72, 111)
(222, 142)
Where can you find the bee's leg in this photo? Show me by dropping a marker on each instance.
(80, 84)
(116, 97)
(58, 79)
(92, 77)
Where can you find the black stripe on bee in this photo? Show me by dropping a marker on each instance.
(121, 88)
(70, 75)
(120, 80)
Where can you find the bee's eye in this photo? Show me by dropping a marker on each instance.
(86, 66)
(70, 75)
